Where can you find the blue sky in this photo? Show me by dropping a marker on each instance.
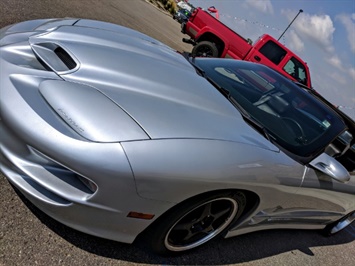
(323, 35)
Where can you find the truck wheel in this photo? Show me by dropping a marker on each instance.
(205, 49)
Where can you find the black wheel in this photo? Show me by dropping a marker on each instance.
(195, 222)
(205, 49)
(336, 227)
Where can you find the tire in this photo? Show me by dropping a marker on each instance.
(194, 222)
(205, 49)
(337, 226)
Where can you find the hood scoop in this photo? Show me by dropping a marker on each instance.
(55, 57)
(90, 113)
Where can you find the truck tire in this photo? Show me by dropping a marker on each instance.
(205, 49)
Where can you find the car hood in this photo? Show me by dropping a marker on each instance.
(114, 77)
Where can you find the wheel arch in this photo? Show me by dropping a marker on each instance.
(251, 202)
(208, 36)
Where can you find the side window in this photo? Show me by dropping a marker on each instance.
(297, 70)
(273, 52)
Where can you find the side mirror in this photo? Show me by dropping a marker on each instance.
(331, 167)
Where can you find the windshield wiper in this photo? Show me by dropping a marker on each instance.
(199, 70)
(202, 73)
(263, 130)
(236, 104)
(222, 90)
(239, 107)
(251, 121)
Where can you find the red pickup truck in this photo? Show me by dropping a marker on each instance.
(212, 38)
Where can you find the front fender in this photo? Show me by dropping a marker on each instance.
(174, 170)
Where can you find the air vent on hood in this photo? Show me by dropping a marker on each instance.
(65, 57)
(55, 57)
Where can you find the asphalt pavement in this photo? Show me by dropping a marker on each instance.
(29, 237)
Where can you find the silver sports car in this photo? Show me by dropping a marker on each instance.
(117, 135)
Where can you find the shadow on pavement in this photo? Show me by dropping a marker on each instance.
(244, 248)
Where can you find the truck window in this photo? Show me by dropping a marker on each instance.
(273, 52)
(297, 70)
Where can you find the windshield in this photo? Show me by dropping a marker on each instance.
(291, 117)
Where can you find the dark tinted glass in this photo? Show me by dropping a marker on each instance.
(297, 70)
(273, 52)
(294, 118)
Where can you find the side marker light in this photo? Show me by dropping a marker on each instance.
(139, 215)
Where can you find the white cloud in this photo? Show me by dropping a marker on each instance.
(263, 6)
(295, 43)
(349, 24)
(352, 73)
(335, 61)
(338, 78)
(317, 28)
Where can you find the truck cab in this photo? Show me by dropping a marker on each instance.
(211, 38)
(268, 51)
